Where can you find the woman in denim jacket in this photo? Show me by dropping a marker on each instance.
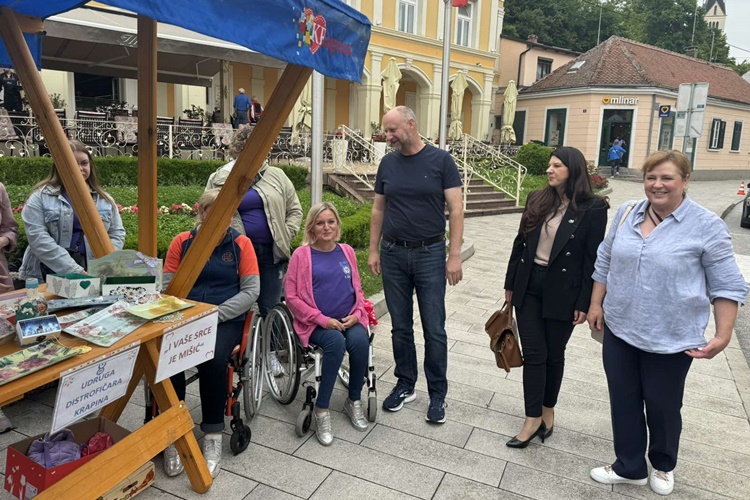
(52, 226)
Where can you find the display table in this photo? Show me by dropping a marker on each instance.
(173, 425)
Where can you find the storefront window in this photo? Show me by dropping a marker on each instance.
(554, 135)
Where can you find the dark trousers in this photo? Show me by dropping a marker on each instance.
(212, 377)
(271, 277)
(543, 342)
(636, 377)
(334, 343)
(404, 271)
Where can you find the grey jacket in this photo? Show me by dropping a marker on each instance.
(280, 202)
(48, 222)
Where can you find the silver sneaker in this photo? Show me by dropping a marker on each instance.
(172, 463)
(5, 424)
(212, 452)
(276, 367)
(356, 414)
(323, 428)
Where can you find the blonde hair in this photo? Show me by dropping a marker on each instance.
(309, 236)
(680, 160)
(207, 199)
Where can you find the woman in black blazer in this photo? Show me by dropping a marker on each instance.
(549, 282)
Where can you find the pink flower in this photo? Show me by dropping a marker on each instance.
(32, 362)
(134, 209)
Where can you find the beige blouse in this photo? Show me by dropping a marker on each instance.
(547, 236)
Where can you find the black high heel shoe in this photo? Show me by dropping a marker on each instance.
(517, 443)
(544, 432)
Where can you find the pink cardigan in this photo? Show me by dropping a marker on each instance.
(298, 290)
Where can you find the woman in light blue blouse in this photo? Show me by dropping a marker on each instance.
(657, 273)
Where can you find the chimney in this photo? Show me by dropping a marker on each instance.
(533, 39)
(692, 52)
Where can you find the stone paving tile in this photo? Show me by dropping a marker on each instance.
(536, 456)
(681, 491)
(454, 487)
(263, 492)
(154, 493)
(411, 419)
(456, 390)
(535, 484)
(29, 417)
(714, 480)
(274, 434)
(340, 485)
(225, 487)
(371, 465)
(436, 455)
(275, 469)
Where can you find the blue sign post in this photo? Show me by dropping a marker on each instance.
(664, 110)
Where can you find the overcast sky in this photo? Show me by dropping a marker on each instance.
(738, 14)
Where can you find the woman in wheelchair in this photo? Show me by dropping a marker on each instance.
(229, 280)
(324, 294)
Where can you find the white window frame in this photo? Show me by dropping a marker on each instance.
(715, 139)
(401, 22)
(465, 24)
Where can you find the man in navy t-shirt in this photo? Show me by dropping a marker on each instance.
(413, 185)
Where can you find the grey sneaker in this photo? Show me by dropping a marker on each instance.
(356, 414)
(5, 425)
(323, 428)
(172, 463)
(212, 452)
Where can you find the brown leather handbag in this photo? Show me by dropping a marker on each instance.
(501, 327)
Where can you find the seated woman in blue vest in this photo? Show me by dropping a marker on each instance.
(229, 280)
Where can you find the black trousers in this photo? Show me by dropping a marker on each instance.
(543, 342)
(212, 377)
(636, 377)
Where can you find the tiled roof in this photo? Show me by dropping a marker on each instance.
(619, 62)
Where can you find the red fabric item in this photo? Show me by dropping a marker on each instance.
(460, 3)
(370, 313)
(99, 441)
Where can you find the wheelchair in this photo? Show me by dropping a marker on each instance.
(247, 364)
(299, 362)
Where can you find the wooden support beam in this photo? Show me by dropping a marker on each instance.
(29, 24)
(240, 179)
(101, 474)
(66, 163)
(147, 135)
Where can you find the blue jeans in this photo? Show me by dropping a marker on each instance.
(240, 118)
(271, 277)
(404, 271)
(333, 342)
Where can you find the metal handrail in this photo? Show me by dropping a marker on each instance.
(500, 160)
(374, 155)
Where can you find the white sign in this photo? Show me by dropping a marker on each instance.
(696, 124)
(680, 124)
(91, 386)
(187, 345)
(683, 97)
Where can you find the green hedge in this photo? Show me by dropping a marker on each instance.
(123, 171)
(534, 157)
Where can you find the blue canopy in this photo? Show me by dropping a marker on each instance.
(326, 35)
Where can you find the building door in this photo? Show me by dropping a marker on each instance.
(666, 133)
(554, 135)
(519, 125)
(617, 124)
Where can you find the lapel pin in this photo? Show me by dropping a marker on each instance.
(571, 221)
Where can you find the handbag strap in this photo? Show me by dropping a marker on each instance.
(625, 214)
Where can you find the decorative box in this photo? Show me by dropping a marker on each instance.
(25, 478)
(134, 289)
(32, 330)
(73, 286)
(134, 484)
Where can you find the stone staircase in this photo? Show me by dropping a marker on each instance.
(481, 199)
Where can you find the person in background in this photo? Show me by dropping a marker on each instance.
(255, 110)
(8, 239)
(12, 87)
(614, 156)
(229, 280)
(270, 214)
(324, 294)
(548, 281)
(57, 243)
(654, 315)
(241, 109)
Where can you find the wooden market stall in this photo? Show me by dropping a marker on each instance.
(324, 35)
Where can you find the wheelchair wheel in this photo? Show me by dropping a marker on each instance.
(240, 439)
(252, 370)
(280, 341)
(304, 420)
(372, 407)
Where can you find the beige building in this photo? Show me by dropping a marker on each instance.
(629, 90)
(716, 14)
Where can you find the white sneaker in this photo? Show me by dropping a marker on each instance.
(212, 452)
(172, 463)
(606, 475)
(276, 367)
(661, 482)
(5, 424)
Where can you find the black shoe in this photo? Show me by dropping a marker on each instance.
(517, 443)
(398, 396)
(436, 411)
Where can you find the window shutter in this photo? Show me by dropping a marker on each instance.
(722, 130)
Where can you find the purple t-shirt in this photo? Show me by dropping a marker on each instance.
(77, 238)
(254, 218)
(332, 283)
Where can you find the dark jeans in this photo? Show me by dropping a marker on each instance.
(404, 271)
(636, 377)
(334, 343)
(271, 277)
(212, 377)
(543, 342)
(240, 119)
(615, 164)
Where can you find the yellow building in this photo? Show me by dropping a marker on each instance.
(201, 71)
